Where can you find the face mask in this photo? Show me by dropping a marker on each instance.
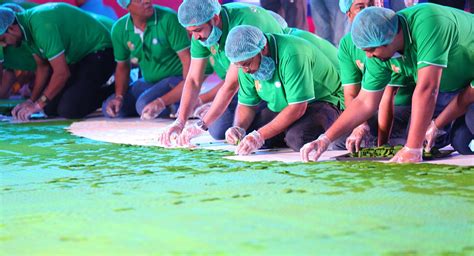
(266, 69)
(213, 37)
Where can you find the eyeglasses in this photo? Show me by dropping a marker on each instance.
(246, 64)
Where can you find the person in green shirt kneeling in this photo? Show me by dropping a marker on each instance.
(298, 83)
(73, 55)
(151, 38)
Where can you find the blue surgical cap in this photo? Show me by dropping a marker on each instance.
(197, 12)
(14, 7)
(374, 27)
(244, 42)
(123, 3)
(7, 17)
(279, 19)
(345, 5)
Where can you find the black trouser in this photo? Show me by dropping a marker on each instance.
(84, 91)
(293, 11)
(319, 116)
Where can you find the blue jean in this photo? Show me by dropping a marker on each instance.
(331, 24)
(218, 128)
(141, 93)
(462, 132)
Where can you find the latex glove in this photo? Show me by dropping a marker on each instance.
(319, 146)
(20, 106)
(114, 106)
(250, 143)
(408, 155)
(25, 112)
(196, 104)
(234, 135)
(360, 134)
(202, 110)
(431, 134)
(170, 133)
(191, 131)
(153, 109)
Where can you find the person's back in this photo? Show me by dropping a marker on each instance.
(58, 27)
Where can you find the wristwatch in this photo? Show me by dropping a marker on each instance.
(202, 125)
(43, 99)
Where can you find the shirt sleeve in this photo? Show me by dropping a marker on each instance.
(247, 93)
(377, 75)
(434, 44)
(48, 40)
(198, 51)
(177, 36)
(298, 79)
(350, 73)
(119, 42)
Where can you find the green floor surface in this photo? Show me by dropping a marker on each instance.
(66, 195)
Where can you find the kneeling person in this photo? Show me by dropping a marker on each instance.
(73, 55)
(299, 84)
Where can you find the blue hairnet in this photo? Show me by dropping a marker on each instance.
(244, 42)
(279, 19)
(345, 5)
(7, 16)
(374, 27)
(14, 7)
(197, 12)
(123, 3)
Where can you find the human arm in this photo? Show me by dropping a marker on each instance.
(386, 115)
(360, 110)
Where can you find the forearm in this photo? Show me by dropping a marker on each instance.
(56, 84)
(423, 104)
(283, 120)
(41, 78)
(189, 93)
(360, 110)
(244, 116)
(456, 108)
(221, 102)
(211, 94)
(386, 115)
(122, 79)
(174, 95)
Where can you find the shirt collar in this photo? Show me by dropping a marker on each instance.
(152, 21)
(407, 39)
(21, 19)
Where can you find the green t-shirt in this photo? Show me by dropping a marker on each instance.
(18, 58)
(303, 74)
(56, 28)
(232, 15)
(104, 20)
(325, 46)
(433, 35)
(157, 52)
(352, 62)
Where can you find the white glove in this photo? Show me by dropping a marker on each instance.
(250, 143)
(234, 135)
(408, 155)
(319, 145)
(360, 134)
(153, 109)
(24, 110)
(170, 133)
(191, 131)
(431, 134)
(202, 110)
